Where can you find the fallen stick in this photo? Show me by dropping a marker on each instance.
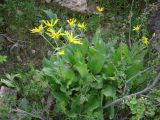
(146, 90)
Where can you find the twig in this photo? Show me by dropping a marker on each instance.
(134, 76)
(130, 23)
(146, 90)
(154, 106)
(21, 111)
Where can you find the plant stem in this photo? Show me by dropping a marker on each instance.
(130, 27)
(48, 41)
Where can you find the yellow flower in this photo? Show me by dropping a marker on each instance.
(100, 9)
(60, 52)
(81, 26)
(71, 22)
(50, 23)
(145, 40)
(37, 29)
(71, 39)
(136, 28)
(56, 35)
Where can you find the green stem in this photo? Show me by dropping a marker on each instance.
(48, 41)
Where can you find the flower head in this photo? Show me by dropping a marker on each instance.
(82, 26)
(60, 52)
(100, 9)
(145, 40)
(136, 28)
(72, 39)
(56, 35)
(50, 23)
(37, 29)
(71, 22)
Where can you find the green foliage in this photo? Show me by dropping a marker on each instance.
(137, 109)
(72, 80)
(10, 80)
(87, 76)
(15, 18)
(145, 107)
(84, 73)
(3, 59)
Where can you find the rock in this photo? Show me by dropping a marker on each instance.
(4, 91)
(74, 5)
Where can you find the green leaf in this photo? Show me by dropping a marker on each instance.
(98, 42)
(8, 83)
(82, 69)
(50, 14)
(109, 91)
(2, 59)
(92, 104)
(48, 71)
(109, 70)
(111, 111)
(96, 60)
(133, 101)
(67, 75)
(121, 53)
(47, 63)
(134, 69)
(60, 96)
(84, 48)
(75, 107)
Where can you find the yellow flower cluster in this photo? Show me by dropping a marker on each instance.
(82, 26)
(72, 39)
(53, 34)
(38, 29)
(145, 40)
(56, 34)
(50, 23)
(100, 9)
(72, 23)
(136, 28)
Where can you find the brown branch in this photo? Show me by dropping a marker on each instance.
(146, 90)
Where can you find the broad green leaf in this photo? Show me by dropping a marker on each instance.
(109, 69)
(96, 60)
(48, 71)
(60, 96)
(97, 83)
(82, 69)
(109, 91)
(122, 51)
(69, 55)
(84, 48)
(99, 44)
(66, 73)
(50, 14)
(92, 104)
(111, 111)
(75, 107)
(134, 69)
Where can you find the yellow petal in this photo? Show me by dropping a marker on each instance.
(60, 52)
